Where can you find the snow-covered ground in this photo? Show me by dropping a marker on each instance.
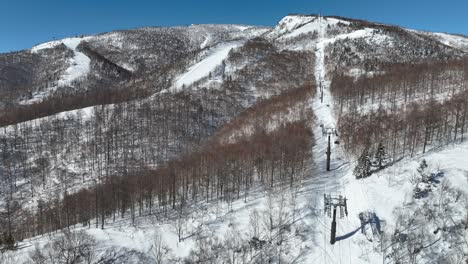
(293, 26)
(79, 64)
(308, 242)
(451, 40)
(315, 25)
(202, 69)
(455, 41)
(381, 193)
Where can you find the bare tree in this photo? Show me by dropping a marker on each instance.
(159, 250)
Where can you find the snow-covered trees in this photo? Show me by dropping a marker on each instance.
(68, 247)
(267, 240)
(7, 241)
(423, 170)
(380, 157)
(363, 167)
(424, 180)
(159, 251)
(407, 130)
(431, 227)
(366, 164)
(216, 171)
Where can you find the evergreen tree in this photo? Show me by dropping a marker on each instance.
(422, 170)
(8, 241)
(362, 169)
(381, 156)
(423, 187)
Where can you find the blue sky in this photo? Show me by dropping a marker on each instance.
(24, 23)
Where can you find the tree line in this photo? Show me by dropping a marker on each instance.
(407, 131)
(214, 172)
(397, 84)
(267, 113)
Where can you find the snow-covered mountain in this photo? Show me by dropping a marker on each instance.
(207, 143)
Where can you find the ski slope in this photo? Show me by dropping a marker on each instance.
(382, 193)
(327, 182)
(203, 68)
(78, 65)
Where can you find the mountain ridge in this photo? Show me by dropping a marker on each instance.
(209, 142)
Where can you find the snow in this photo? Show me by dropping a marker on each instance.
(314, 25)
(85, 113)
(78, 65)
(295, 25)
(458, 42)
(454, 41)
(320, 25)
(243, 28)
(205, 42)
(289, 23)
(381, 193)
(47, 45)
(215, 57)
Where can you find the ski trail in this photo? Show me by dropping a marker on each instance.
(79, 64)
(205, 66)
(329, 182)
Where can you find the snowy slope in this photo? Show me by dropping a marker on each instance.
(459, 42)
(214, 58)
(78, 65)
(456, 41)
(295, 25)
(381, 193)
(308, 239)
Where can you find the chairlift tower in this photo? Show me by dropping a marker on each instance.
(335, 202)
(328, 131)
(321, 90)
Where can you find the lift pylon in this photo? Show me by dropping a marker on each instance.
(334, 202)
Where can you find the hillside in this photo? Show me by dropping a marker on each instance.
(207, 143)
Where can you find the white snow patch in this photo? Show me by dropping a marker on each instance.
(205, 42)
(295, 25)
(289, 23)
(314, 25)
(202, 69)
(47, 45)
(242, 28)
(454, 41)
(79, 64)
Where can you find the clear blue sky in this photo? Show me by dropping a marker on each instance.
(24, 23)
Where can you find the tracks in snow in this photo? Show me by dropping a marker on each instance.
(327, 182)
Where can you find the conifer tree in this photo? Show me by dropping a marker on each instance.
(8, 241)
(362, 169)
(381, 156)
(422, 170)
